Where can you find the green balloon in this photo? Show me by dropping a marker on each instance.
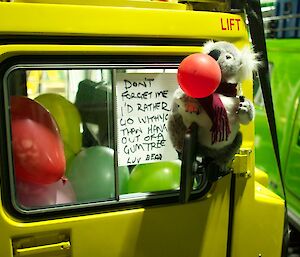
(155, 176)
(69, 153)
(68, 121)
(91, 174)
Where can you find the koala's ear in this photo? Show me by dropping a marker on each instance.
(249, 62)
(208, 46)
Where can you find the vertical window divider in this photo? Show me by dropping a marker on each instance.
(115, 134)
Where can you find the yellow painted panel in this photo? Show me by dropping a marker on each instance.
(119, 3)
(258, 220)
(194, 229)
(261, 177)
(117, 21)
(7, 51)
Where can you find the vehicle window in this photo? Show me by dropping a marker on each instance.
(90, 135)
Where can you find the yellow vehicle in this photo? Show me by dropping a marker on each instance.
(72, 57)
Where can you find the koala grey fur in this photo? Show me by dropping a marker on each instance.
(236, 65)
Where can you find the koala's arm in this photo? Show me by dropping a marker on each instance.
(183, 110)
(186, 103)
(246, 111)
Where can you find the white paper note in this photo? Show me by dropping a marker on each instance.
(143, 108)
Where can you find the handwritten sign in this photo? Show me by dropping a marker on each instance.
(143, 108)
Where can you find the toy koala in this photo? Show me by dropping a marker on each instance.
(219, 115)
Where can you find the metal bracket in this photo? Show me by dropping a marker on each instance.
(241, 162)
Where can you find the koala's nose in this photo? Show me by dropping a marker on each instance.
(215, 54)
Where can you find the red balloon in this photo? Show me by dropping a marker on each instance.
(37, 146)
(199, 75)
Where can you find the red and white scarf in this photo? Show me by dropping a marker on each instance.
(216, 111)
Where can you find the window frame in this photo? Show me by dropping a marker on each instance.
(129, 201)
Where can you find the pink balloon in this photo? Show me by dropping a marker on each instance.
(39, 195)
(64, 193)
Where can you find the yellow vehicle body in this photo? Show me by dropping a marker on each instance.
(198, 228)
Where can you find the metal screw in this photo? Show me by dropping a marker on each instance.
(246, 175)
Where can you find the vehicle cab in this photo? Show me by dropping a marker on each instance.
(87, 166)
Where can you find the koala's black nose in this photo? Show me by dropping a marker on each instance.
(215, 54)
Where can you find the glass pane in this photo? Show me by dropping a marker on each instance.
(62, 136)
